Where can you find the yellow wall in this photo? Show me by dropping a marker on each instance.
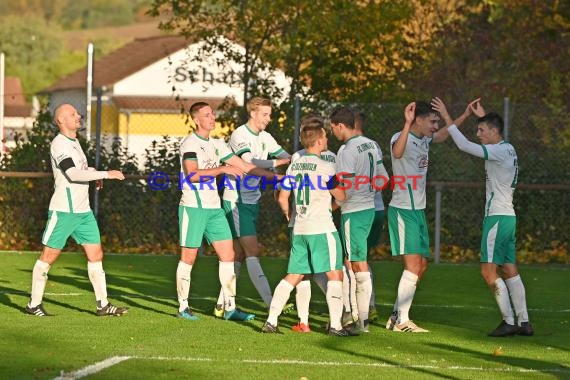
(117, 123)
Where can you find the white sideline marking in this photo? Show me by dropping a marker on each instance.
(354, 364)
(93, 368)
(97, 367)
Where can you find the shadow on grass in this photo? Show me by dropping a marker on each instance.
(5, 298)
(339, 344)
(523, 363)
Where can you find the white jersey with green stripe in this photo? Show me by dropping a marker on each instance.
(327, 156)
(260, 146)
(410, 172)
(501, 172)
(68, 196)
(312, 199)
(357, 159)
(208, 153)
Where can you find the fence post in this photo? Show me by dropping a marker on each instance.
(2, 102)
(438, 189)
(97, 146)
(297, 122)
(89, 88)
(506, 115)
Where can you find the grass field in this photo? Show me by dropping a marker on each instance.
(148, 343)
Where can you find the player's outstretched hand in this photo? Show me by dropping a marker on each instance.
(476, 107)
(232, 170)
(115, 174)
(409, 112)
(282, 161)
(439, 106)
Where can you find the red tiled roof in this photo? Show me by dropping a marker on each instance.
(15, 104)
(18, 111)
(156, 103)
(123, 62)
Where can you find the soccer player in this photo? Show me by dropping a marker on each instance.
(407, 224)
(254, 145)
(303, 289)
(379, 215)
(315, 246)
(70, 214)
(200, 214)
(356, 166)
(498, 243)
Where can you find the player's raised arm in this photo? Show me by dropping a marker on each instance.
(459, 138)
(399, 145)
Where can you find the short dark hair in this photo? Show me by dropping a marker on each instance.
(493, 120)
(344, 115)
(194, 108)
(424, 109)
(359, 119)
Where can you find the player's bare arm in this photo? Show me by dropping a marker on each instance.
(283, 201)
(399, 145)
(191, 166)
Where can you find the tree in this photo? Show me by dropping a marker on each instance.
(323, 46)
(34, 51)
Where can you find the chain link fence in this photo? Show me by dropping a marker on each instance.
(143, 137)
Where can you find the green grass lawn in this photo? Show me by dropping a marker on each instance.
(452, 301)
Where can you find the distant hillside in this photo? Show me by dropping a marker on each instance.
(114, 36)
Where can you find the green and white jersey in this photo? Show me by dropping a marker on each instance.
(68, 196)
(356, 159)
(381, 171)
(208, 153)
(308, 176)
(410, 172)
(501, 171)
(327, 156)
(260, 146)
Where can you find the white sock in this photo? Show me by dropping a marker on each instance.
(237, 270)
(39, 281)
(321, 280)
(99, 282)
(258, 279)
(334, 301)
(183, 274)
(363, 290)
(406, 291)
(504, 302)
(280, 298)
(518, 296)
(227, 276)
(303, 299)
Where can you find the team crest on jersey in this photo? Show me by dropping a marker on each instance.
(217, 152)
(210, 164)
(423, 161)
(263, 147)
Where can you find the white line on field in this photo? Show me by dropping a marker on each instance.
(355, 364)
(99, 366)
(93, 368)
